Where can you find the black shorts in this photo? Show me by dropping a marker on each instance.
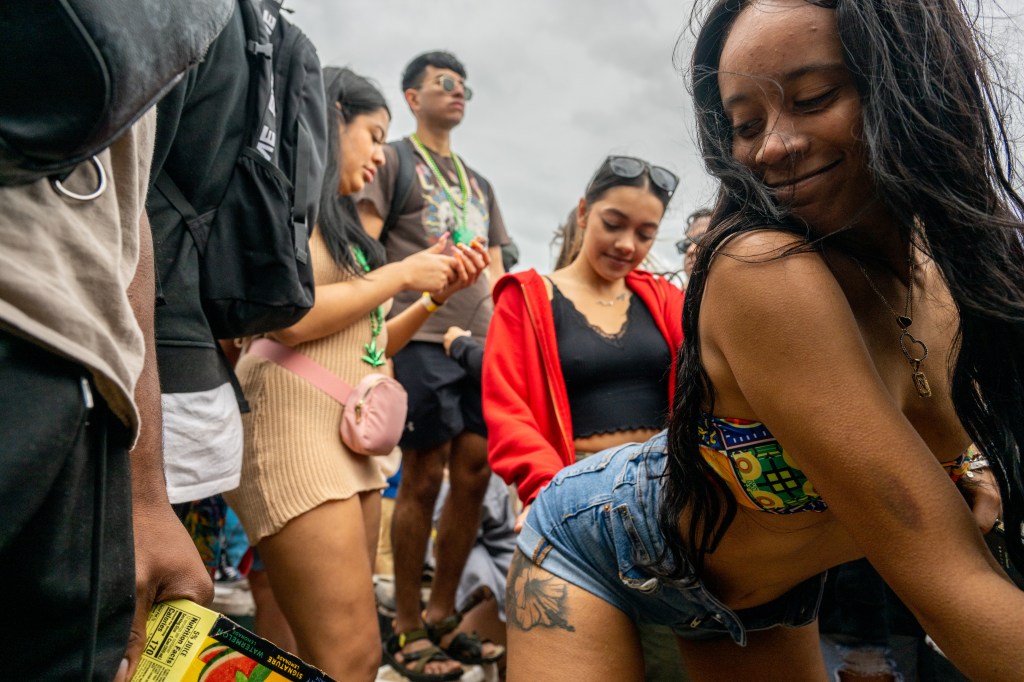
(67, 557)
(444, 401)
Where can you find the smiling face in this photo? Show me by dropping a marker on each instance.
(794, 110)
(619, 229)
(434, 105)
(362, 149)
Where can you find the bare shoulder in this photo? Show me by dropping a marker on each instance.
(770, 306)
(763, 251)
(768, 273)
(760, 244)
(554, 279)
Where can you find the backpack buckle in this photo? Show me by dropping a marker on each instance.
(261, 49)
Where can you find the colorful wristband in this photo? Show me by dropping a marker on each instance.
(429, 303)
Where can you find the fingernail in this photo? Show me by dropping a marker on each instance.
(122, 670)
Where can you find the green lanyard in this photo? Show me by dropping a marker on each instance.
(462, 235)
(374, 356)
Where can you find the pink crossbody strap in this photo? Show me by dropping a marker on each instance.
(299, 364)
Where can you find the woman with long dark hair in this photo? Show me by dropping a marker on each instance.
(854, 323)
(309, 504)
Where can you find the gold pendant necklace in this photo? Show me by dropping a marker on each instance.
(913, 349)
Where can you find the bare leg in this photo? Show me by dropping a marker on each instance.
(776, 655)
(422, 472)
(385, 564)
(556, 631)
(320, 573)
(468, 475)
(270, 622)
(371, 503)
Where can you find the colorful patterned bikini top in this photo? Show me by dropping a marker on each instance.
(761, 474)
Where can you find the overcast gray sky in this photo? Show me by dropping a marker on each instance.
(558, 85)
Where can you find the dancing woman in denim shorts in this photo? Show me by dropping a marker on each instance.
(854, 323)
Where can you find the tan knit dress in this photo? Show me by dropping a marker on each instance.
(294, 458)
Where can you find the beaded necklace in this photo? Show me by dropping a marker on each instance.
(459, 208)
(373, 356)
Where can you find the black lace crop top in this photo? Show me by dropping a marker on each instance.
(614, 383)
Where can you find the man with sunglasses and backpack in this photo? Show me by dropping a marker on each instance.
(424, 191)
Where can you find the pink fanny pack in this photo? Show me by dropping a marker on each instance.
(374, 412)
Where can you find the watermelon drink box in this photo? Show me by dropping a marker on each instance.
(188, 643)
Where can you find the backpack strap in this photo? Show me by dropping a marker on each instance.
(403, 184)
(305, 367)
(304, 184)
(260, 18)
(199, 229)
(236, 386)
(304, 166)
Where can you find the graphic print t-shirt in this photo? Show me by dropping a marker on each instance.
(426, 216)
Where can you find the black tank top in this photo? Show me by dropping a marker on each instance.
(614, 383)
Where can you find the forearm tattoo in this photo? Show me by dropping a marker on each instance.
(535, 598)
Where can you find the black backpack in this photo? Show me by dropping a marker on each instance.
(255, 273)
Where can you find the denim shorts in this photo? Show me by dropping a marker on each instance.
(595, 526)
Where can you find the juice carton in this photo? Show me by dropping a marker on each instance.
(188, 643)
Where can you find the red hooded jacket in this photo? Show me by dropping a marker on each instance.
(529, 427)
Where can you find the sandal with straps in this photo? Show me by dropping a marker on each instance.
(465, 647)
(414, 663)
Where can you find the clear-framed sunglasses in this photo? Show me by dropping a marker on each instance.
(448, 84)
(630, 167)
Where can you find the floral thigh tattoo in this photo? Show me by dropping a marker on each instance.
(535, 598)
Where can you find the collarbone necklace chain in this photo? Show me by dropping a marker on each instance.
(459, 206)
(914, 350)
(608, 303)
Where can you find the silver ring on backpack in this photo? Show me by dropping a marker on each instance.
(101, 185)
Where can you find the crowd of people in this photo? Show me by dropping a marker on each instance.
(644, 481)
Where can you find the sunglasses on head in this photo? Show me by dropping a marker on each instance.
(630, 167)
(448, 84)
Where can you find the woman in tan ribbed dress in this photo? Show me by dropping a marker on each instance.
(310, 506)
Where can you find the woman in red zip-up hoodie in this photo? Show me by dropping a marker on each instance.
(583, 359)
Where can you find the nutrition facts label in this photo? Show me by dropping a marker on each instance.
(186, 642)
(173, 636)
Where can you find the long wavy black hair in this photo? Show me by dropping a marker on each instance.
(348, 96)
(942, 163)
